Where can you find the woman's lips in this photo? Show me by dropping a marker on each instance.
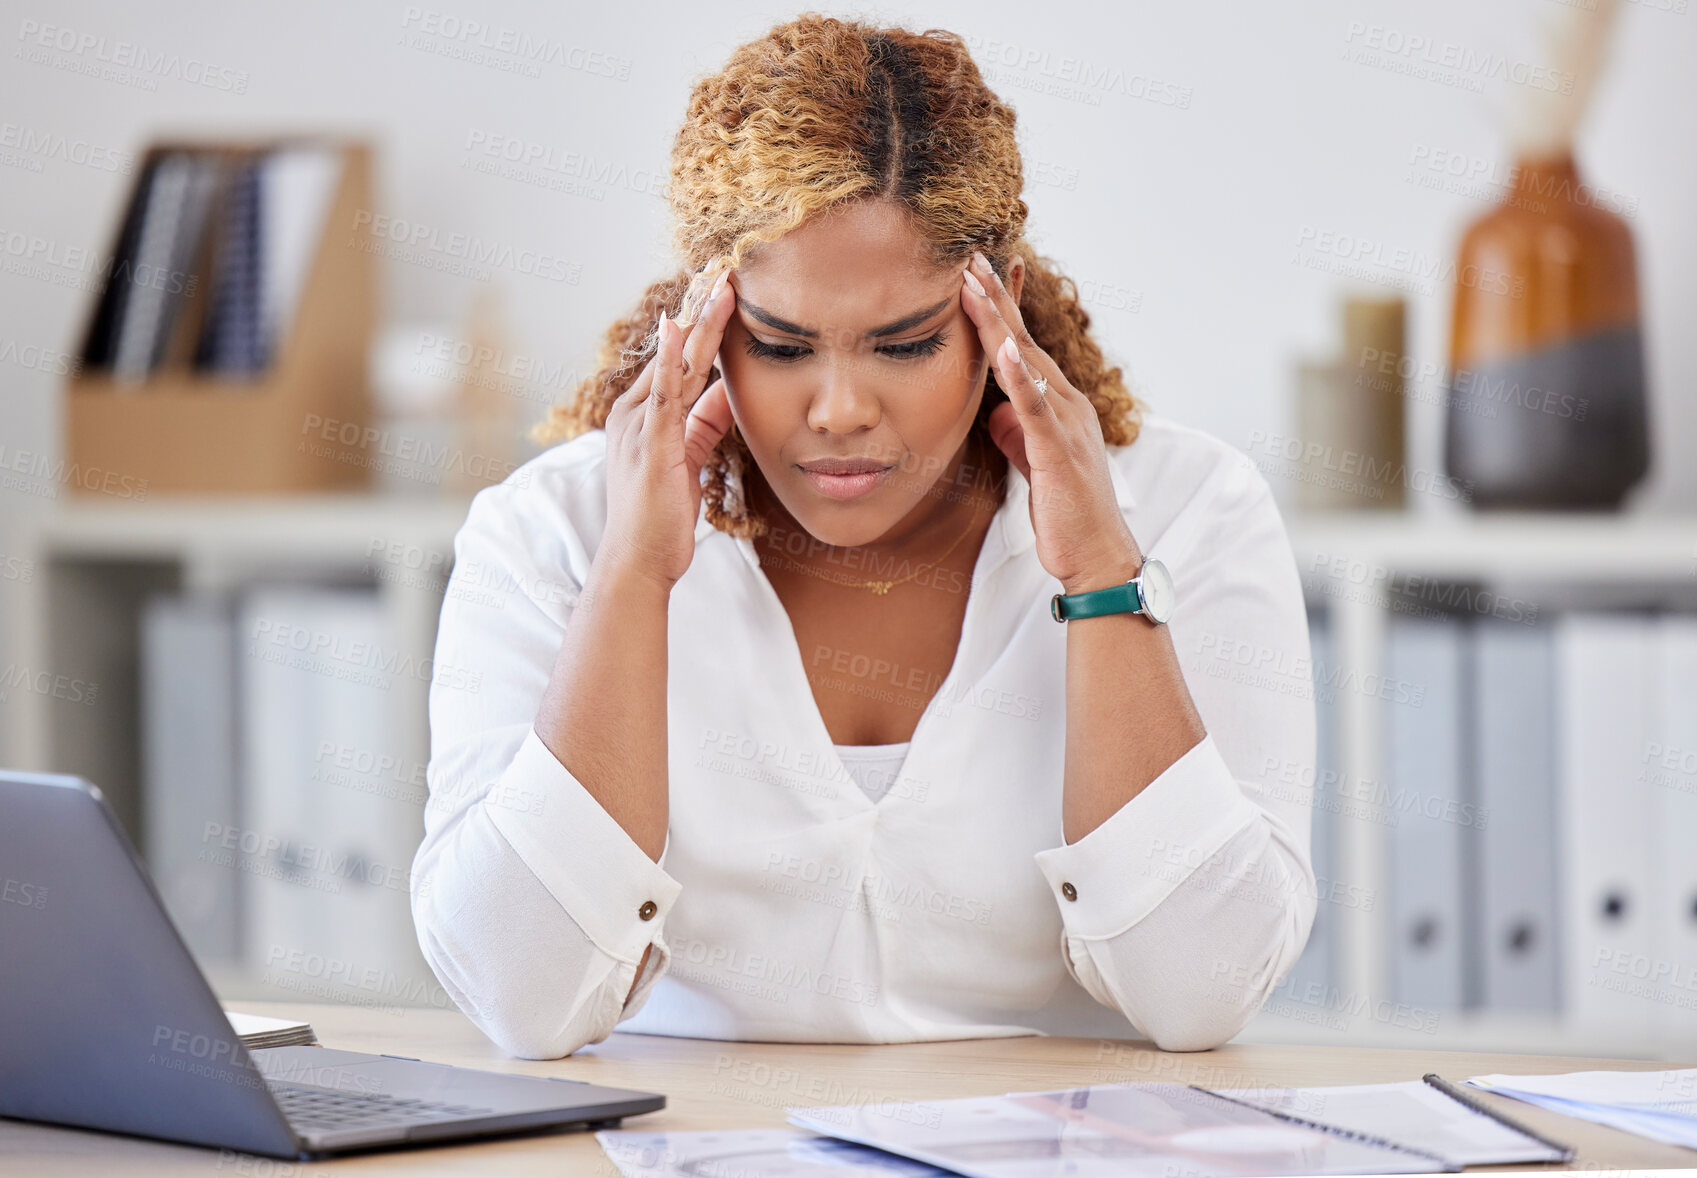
(845, 486)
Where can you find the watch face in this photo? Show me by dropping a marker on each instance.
(1155, 586)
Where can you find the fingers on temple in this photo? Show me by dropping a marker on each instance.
(667, 387)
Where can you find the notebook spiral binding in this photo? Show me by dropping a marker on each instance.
(1443, 1163)
(1479, 1106)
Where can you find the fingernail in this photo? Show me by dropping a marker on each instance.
(980, 261)
(972, 282)
(660, 331)
(718, 285)
(1010, 351)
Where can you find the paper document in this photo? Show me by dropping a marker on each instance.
(752, 1153)
(1133, 1130)
(1410, 1113)
(1659, 1105)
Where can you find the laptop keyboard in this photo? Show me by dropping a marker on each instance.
(307, 1107)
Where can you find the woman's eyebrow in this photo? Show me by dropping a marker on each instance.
(894, 327)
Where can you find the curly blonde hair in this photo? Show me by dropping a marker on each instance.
(822, 111)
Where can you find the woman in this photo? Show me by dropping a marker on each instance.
(778, 731)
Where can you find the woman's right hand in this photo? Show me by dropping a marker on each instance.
(660, 432)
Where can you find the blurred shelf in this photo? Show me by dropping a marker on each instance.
(1365, 567)
(1624, 547)
(1595, 545)
(329, 526)
(97, 561)
(1463, 1030)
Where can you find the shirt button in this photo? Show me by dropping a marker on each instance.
(1069, 891)
(648, 909)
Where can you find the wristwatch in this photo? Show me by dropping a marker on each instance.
(1150, 593)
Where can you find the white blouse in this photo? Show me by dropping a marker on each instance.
(939, 902)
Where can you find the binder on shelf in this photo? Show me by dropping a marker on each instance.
(230, 340)
(299, 185)
(1513, 755)
(225, 384)
(1423, 795)
(100, 341)
(167, 261)
(1316, 971)
(1668, 769)
(323, 684)
(1605, 692)
(188, 746)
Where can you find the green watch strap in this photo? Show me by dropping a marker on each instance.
(1115, 599)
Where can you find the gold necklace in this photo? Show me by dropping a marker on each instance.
(880, 588)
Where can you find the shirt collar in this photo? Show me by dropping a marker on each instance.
(1010, 533)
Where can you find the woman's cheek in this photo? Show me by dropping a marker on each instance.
(753, 412)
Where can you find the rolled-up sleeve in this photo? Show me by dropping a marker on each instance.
(532, 905)
(1190, 903)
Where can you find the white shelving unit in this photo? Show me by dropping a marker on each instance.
(1551, 560)
(95, 566)
(95, 562)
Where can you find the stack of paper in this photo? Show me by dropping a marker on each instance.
(258, 1030)
(1659, 1105)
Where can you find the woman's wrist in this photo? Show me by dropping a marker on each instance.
(613, 572)
(1111, 568)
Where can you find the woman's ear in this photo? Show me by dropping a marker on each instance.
(1016, 276)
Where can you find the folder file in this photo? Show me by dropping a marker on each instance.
(1668, 767)
(1423, 808)
(1315, 972)
(1604, 681)
(1514, 828)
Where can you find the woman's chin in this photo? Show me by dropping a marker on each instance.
(838, 534)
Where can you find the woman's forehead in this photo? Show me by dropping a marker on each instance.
(861, 236)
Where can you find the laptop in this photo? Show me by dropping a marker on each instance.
(107, 1022)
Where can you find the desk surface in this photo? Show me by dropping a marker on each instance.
(712, 1084)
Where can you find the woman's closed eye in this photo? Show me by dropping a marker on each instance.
(784, 353)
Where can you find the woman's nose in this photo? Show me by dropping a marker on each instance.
(845, 400)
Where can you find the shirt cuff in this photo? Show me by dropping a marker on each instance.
(1120, 872)
(586, 860)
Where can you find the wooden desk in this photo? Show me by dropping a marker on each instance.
(711, 1085)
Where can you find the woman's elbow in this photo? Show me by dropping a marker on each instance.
(526, 1036)
(525, 1029)
(515, 1021)
(1222, 996)
(1200, 1026)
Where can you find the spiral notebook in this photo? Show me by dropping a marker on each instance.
(1442, 1118)
(1146, 1130)
(1136, 1130)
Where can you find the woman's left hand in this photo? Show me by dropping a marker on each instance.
(1055, 439)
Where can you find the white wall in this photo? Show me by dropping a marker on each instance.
(1194, 213)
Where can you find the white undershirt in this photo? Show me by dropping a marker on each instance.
(873, 766)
